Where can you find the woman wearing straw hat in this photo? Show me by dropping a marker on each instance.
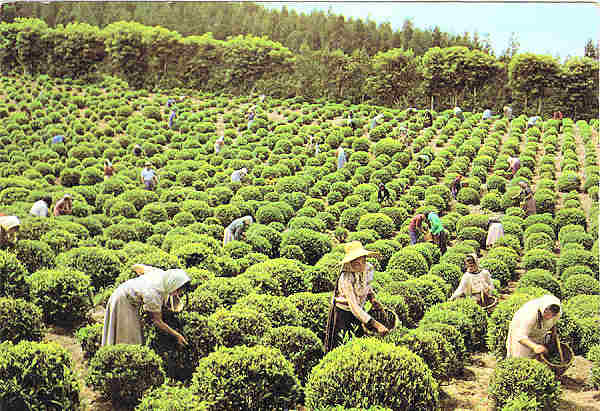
(352, 291)
(475, 282)
(64, 206)
(9, 226)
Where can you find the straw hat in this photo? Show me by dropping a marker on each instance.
(355, 250)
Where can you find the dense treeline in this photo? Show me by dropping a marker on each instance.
(155, 57)
(317, 30)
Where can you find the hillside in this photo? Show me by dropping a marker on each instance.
(282, 271)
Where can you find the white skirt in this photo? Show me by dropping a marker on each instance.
(122, 323)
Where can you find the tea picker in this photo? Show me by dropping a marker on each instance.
(352, 290)
(150, 292)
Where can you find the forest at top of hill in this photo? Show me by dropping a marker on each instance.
(319, 30)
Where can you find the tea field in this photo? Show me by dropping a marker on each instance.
(255, 319)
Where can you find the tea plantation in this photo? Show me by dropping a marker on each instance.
(256, 317)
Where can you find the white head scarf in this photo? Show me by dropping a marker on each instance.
(8, 222)
(546, 301)
(165, 282)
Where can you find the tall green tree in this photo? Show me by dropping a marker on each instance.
(530, 75)
(247, 59)
(394, 75)
(580, 82)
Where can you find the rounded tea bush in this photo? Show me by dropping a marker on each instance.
(538, 277)
(279, 310)
(574, 270)
(314, 309)
(299, 345)
(580, 284)
(200, 333)
(313, 244)
(593, 355)
(523, 375)
(101, 264)
(247, 378)
(539, 258)
(498, 270)
(572, 257)
(37, 376)
(381, 223)
(12, 276)
(449, 272)
(568, 216)
(34, 255)
(240, 326)
(170, 398)
(403, 379)
(122, 372)
(90, 338)
(432, 347)
(21, 320)
(63, 295)
(410, 261)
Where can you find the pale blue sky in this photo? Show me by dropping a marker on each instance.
(542, 28)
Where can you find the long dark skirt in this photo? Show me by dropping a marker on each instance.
(341, 325)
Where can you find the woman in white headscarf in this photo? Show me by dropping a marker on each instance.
(237, 175)
(529, 326)
(474, 282)
(9, 225)
(150, 291)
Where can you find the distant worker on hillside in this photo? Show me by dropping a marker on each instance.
(383, 194)
(428, 119)
(514, 164)
(459, 114)
(64, 206)
(527, 200)
(109, 169)
(423, 161)
(558, 116)
(148, 177)
(58, 139)
(238, 175)
(415, 226)
(236, 229)
(375, 121)
(440, 237)
(137, 150)
(172, 118)
(219, 144)
(495, 232)
(9, 226)
(250, 116)
(532, 121)
(455, 186)
(341, 158)
(41, 208)
(487, 114)
(507, 112)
